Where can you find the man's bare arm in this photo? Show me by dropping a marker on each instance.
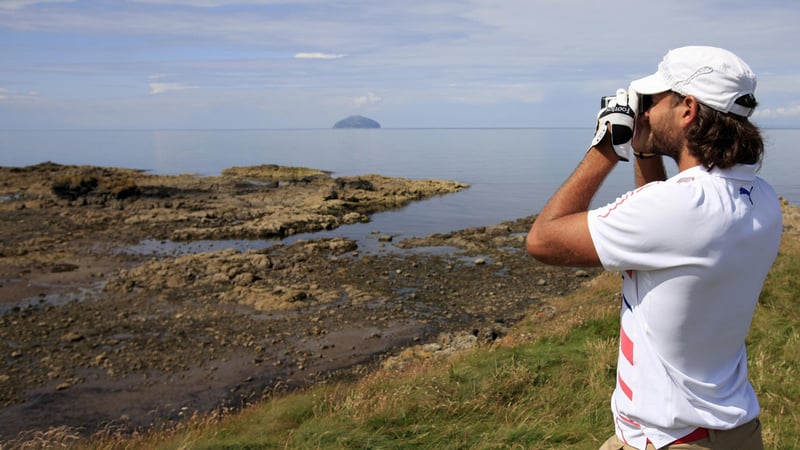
(560, 234)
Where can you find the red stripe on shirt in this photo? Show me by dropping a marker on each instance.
(627, 390)
(622, 199)
(626, 345)
(630, 273)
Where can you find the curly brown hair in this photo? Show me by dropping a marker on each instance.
(724, 140)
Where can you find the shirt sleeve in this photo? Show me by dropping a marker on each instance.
(645, 229)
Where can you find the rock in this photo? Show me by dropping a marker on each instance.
(432, 347)
(273, 173)
(244, 279)
(354, 217)
(292, 295)
(464, 342)
(72, 336)
(356, 122)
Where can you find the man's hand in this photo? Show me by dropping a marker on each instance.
(617, 119)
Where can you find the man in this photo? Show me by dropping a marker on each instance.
(693, 250)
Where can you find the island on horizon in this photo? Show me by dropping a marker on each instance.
(356, 122)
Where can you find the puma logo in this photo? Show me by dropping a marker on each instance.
(743, 191)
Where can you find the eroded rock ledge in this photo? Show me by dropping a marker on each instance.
(255, 202)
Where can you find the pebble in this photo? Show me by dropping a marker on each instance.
(72, 336)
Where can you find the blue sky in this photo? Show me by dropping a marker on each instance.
(198, 64)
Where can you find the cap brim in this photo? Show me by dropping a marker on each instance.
(652, 84)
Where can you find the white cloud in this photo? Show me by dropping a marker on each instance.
(20, 4)
(781, 112)
(367, 100)
(216, 3)
(161, 88)
(18, 97)
(318, 56)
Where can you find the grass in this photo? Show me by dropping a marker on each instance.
(547, 386)
(774, 349)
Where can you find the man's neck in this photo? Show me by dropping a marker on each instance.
(686, 160)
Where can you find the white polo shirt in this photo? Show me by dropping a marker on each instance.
(694, 252)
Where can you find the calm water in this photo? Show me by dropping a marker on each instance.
(512, 172)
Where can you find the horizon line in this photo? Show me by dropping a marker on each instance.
(337, 129)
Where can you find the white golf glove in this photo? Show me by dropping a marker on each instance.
(617, 119)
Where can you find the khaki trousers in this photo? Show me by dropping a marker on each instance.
(745, 437)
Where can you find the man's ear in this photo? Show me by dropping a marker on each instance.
(689, 106)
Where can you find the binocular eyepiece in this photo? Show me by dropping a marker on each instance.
(638, 102)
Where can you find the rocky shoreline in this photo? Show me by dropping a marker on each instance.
(97, 337)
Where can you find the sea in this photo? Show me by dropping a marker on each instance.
(511, 172)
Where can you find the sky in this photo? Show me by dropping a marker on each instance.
(265, 64)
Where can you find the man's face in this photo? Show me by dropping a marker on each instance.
(656, 130)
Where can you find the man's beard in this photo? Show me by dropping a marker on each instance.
(660, 141)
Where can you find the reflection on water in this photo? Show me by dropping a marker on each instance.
(57, 298)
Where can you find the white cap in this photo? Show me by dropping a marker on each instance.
(714, 76)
